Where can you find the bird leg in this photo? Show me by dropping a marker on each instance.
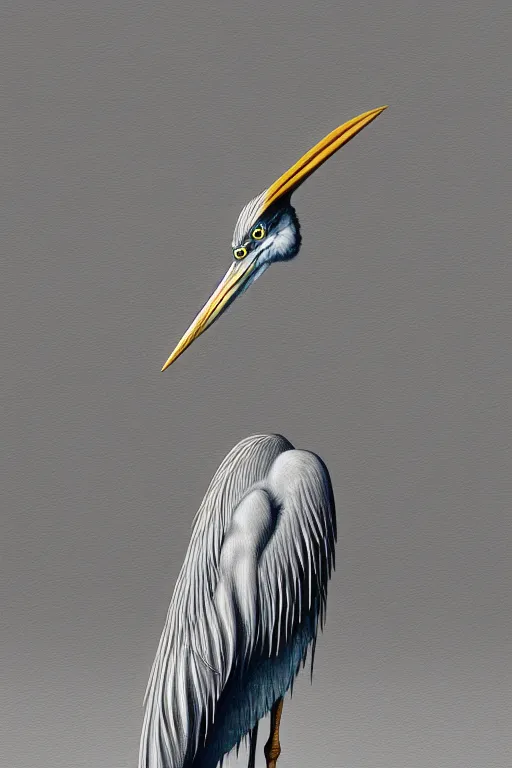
(272, 748)
(253, 736)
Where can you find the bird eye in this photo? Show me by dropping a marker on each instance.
(258, 233)
(240, 253)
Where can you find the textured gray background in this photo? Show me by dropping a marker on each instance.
(134, 134)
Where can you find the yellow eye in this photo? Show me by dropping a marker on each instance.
(258, 233)
(240, 253)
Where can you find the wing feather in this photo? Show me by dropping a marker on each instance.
(298, 560)
(256, 571)
(180, 699)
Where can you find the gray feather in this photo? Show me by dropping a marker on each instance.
(248, 216)
(246, 605)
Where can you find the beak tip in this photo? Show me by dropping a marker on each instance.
(167, 364)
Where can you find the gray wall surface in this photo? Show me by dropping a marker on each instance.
(133, 135)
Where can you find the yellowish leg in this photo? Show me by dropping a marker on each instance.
(272, 748)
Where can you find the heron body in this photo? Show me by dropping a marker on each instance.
(251, 594)
(247, 605)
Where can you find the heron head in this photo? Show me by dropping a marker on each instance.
(266, 234)
(268, 230)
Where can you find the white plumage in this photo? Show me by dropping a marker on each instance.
(247, 603)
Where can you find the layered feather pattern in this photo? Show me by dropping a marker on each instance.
(246, 605)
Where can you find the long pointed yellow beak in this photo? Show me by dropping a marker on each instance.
(308, 163)
(239, 274)
(233, 282)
